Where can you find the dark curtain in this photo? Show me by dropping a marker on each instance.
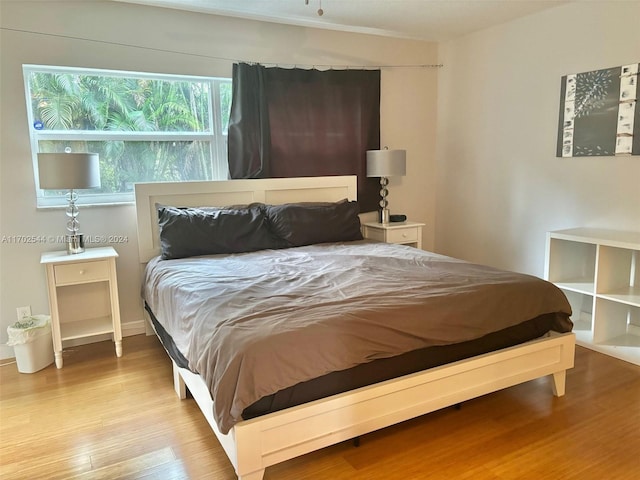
(304, 123)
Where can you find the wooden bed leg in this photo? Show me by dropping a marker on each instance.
(178, 383)
(252, 476)
(558, 384)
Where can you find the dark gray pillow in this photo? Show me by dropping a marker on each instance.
(310, 223)
(187, 232)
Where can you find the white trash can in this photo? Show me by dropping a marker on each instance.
(32, 343)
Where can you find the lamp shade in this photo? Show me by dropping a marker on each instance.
(68, 171)
(386, 163)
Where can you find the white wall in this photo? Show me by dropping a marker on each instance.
(500, 185)
(138, 38)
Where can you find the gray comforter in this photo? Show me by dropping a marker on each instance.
(255, 323)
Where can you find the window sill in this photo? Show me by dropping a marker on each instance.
(87, 205)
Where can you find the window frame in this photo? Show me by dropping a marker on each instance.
(215, 135)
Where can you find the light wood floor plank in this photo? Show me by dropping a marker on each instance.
(102, 417)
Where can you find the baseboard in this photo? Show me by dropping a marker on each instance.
(136, 327)
(133, 328)
(128, 329)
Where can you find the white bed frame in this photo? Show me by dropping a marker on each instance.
(255, 444)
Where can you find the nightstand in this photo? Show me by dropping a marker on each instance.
(83, 296)
(405, 233)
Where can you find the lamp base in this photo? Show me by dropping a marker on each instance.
(75, 243)
(383, 215)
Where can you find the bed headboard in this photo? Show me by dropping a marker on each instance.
(230, 192)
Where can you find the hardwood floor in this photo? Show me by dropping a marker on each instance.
(101, 417)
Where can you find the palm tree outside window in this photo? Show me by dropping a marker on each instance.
(145, 127)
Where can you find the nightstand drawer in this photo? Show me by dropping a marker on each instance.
(81, 272)
(402, 235)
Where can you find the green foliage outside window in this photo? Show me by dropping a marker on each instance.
(144, 128)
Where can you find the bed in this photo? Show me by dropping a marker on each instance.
(256, 434)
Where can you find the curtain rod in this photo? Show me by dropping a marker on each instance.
(347, 67)
(213, 57)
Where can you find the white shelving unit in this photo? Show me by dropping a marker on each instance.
(599, 271)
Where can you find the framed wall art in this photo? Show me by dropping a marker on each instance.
(600, 113)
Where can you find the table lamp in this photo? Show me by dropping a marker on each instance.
(70, 171)
(386, 163)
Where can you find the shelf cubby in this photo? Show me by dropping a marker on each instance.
(599, 272)
(574, 269)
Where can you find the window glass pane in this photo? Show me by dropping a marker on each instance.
(122, 163)
(81, 102)
(145, 127)
(225, 105)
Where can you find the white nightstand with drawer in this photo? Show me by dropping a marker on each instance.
(83, 296)
(405, 233)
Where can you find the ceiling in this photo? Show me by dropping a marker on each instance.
(432, 20)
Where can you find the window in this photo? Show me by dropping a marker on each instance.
(145, 127)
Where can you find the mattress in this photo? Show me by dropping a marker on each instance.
(378, 370)
(270, 329)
